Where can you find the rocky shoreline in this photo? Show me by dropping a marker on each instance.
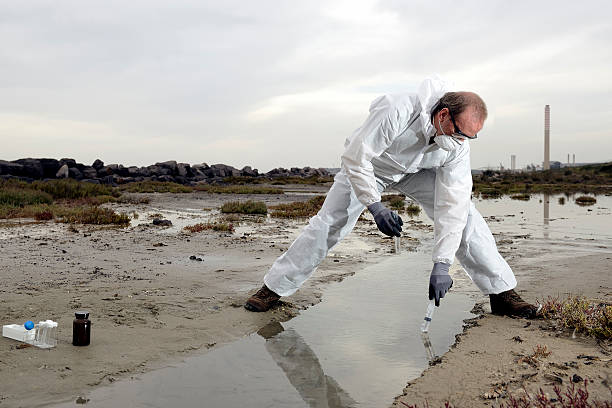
(30, 169)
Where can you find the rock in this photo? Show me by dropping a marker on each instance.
(75, 173)
(50, 167)
(14, 169)
(247, 171)
(69, 162)
(576, 378)
(162, 223)
(89, 172)
(169, 165)
(183, 169)
(97, 164)
(31, 168)
(62, 172)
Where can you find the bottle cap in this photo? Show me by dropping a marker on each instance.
(29, 325)
(82, 314)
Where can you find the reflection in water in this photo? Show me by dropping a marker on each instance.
(302, 368)
(546, 214)
(431, 355)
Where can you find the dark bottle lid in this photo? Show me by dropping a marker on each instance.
(81, 314)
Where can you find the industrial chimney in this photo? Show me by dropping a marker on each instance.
(546, 165)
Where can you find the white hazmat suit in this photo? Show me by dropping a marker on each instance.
(392, 149)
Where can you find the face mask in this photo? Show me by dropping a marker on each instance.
(446, 142)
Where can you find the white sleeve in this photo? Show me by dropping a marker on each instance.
(369, 141)
(453, 191)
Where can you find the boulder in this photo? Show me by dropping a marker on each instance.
(50, 167)
(7, 167)
(31, 168)
(89, 172)
(97, 164)
(69, 162)
(75, 173)
(170, 165)
(184, 170)
(63, 172)
(247, 171)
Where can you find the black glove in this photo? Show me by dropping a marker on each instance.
(439, 282)
(388, 222)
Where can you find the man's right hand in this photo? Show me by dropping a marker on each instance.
(387, 221)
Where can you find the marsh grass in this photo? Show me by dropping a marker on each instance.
(238, 189)
(585, 200)
(574, 396)
(579, 315)
(412, 209)
(154, 187)
(298, 209)
(93, 215)
(395, 201)
(20, 197)
(312, 180)
(522, 197)
(209, 226)
(245, 207)
(68, 201)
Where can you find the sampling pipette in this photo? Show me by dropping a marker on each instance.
(428, 314)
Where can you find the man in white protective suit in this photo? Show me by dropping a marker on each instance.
(417, 144)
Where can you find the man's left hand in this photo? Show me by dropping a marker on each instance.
(439, 282)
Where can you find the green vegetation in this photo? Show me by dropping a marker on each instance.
(596, 178)
(238, 189)
(395, 201)
(585, 200)
(63, 200)
(413, 209)
(211, 226)
(522, 197)
(154, 187)
(312, 180)
(246, 207)
(14, 197)
(578, 314)
(298, 209)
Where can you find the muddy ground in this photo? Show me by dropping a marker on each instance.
(151, 304)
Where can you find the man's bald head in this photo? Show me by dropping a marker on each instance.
(458, 102)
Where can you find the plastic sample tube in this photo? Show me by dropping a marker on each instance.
(396, 245)
(428, 314)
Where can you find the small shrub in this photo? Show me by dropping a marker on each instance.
(214, 226)
(573, 397)
(413, 209)
(155, 187)
(586, 200)
(246, 207)
(94, 215)
(298, 209)
(579, 315)
(44, 215)
(21, 197)
(522, 197)
(396, 201)
(561, 200)
(72, 189)
(238, 189)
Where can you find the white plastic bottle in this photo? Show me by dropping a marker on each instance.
(396, 245)
(428, 315)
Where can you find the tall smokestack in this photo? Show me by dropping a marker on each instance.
(546, 138)
(574, 158)
(568, 162)
(512, 162)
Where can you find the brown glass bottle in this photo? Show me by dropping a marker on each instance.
(81, 329)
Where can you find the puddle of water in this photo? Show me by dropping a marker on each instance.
(356, 348)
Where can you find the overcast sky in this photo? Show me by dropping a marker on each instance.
(283, 83)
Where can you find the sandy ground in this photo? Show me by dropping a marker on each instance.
(150, 304)
(484, 365)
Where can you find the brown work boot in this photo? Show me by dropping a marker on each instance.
(261, 301)
(509, 303)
